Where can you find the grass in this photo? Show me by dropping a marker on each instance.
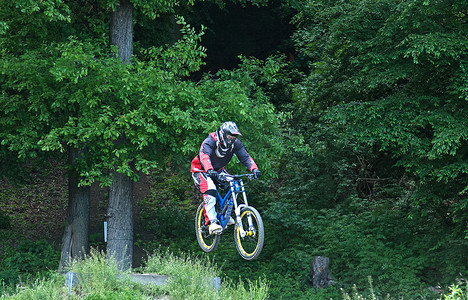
(457, 291)
(190, 278)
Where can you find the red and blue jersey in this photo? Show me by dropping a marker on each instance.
(210, 157)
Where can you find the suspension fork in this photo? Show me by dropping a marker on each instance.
(249, 216)
(238, 208)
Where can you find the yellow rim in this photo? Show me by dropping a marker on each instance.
(239, 237)
(200, 216)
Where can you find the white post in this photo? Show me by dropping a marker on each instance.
(105, 232)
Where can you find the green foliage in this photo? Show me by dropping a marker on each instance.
(181, 58)
(26, 24)
(457, 291)
(27, 259)
(366, 227)
(192, 278)
(393, 82)
(382, 108)
(376, 239)
(93, 98)
(378, 97)
(97, 274)
(193, 275)
(48, 287)
(350, 204)
(167, 212)
(99, 278)
(236, 95)
(4, 221)
(154, 8)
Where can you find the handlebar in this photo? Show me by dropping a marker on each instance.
(229, 177)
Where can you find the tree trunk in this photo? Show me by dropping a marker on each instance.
(120, 221)
(75, 239)
(120, 208)
(321, 276)
(121, 30)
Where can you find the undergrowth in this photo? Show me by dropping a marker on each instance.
(193, 278)
(99, 278)
(190, 277)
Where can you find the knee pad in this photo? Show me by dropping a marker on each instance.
(212, 193)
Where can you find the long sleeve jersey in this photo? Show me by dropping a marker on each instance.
(208, 158)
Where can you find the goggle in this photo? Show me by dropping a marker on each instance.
(230, 139)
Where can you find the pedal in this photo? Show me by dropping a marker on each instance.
(217, 232)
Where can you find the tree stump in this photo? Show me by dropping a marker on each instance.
(321, 277)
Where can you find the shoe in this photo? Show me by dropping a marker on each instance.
(215, 228)
(231, 221)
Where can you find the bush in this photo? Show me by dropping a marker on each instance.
(28, 259)
(168, 213)
(4, 221)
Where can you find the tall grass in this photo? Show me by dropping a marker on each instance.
(50, 287)
(192, 278)
(458, 291)
(100, 278)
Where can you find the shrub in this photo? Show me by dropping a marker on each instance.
(4, 221)
(28, 259)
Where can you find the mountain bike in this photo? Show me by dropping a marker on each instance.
(248, 228)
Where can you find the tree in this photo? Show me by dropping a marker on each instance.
(21, 130)
(120, 207)
(395, 81)
(384, 96)
(68, 91)
(75, 240)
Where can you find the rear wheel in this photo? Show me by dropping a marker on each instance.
(208, 242)
(249, 246)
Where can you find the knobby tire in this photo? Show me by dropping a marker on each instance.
(250, 246)
(208, 242)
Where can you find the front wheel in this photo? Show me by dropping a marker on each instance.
(208, 242)
(249, 246)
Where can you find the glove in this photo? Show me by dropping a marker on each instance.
(213, 174)
(256, 173)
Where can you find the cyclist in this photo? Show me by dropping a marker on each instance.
(215, 153)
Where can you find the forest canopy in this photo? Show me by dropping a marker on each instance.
(356, 112)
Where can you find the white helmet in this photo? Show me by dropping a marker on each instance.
(228, 128)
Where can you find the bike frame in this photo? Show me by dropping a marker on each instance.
(236, 187)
